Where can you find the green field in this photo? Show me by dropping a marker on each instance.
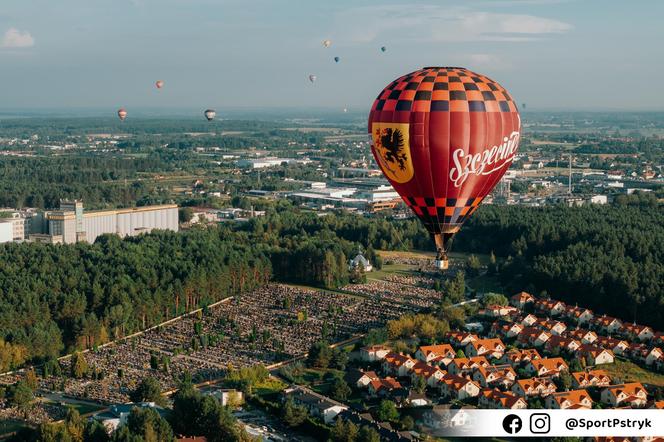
(390, 269)
(630, 372)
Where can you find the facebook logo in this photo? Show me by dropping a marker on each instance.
(512, 424)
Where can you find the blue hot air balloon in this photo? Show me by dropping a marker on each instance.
(336, 59)
(383, 48)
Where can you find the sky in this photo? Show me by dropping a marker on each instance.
(244, 54)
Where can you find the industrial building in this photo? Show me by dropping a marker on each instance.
(372, 199)
(262, 163)
(71, 224)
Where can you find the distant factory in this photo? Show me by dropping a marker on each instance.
(372, 198)
(70, 224)
(265, 162)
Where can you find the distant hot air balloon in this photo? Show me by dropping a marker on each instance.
(210, 114)
(523, 105)
(383, 48)
(312, 78)
(336, 59)
(327, 43)
(122, 113)
(159, 84)
(444, 137)
(345, 110)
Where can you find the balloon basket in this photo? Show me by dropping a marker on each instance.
(441, 264)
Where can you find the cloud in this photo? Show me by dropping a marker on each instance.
(488, 61)
(435, 23)
(14, 38)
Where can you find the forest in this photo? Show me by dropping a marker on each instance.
(100, 181)
(608, 258)
(59, 298)
(55, 299)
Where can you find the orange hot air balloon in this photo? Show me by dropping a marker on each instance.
(444, 137)
(159, 84)
(122, 113)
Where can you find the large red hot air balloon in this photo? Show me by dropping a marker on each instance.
(122, 113)
(443, 137)
(159, 84)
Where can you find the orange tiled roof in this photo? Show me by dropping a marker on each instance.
(592, 377)
(491, 344)
(574, 396)
(550, 364)
(593, 350)
(522, 297)
(630, 389)
(439, 349)
(536, 383)
(505, 399)
(465, 363)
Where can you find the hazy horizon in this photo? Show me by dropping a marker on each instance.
(551, 54)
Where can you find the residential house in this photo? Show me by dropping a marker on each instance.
(579, 315)
(574, 399)
(458, 387)
(464, 366)
(359, 378)
(492, 398)
(316, 404)
(416, 399)
(428, 353)
(534, 387)
(529, 320)
(595, 355)
(658, 339)
(659, 405)
(490, 347)
(431, 374)
(590, 378)
(617, 346)
(373, 353)
(561, 344)
(521, 299)
(384, 429)
(383, 387)
(443, 417)
(632, 394)
(507, 330)
(644, 353)
(398, 364)
(515, 356)
(585, 336)
(498, 311)
(550, 307)
(495, 376)
(460, 339)
(533, 336)
(546, 366)
(552, 326)
(607, 324)
(635, 331)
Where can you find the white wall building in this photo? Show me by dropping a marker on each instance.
(6, 231)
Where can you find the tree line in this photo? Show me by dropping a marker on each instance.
(609, 258)
(56, 298)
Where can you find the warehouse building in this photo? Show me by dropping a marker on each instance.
(71, 224)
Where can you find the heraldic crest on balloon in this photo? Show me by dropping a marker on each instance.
(392, 148)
